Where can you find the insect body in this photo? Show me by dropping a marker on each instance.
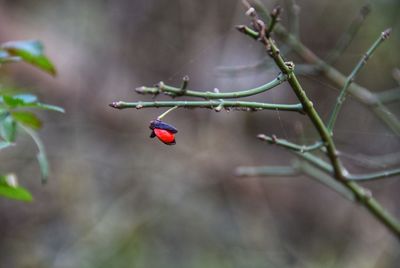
(163, 131)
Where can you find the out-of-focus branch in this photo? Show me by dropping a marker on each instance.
(294, 18)
(296, 169)
(347, 36)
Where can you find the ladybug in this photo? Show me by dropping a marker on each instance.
(163, 131)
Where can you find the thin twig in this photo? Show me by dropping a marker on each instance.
(342, 96)
(240, 105)
(374, 176)
(294, 18)
(274, 20)
(174, 91)
(290, 145)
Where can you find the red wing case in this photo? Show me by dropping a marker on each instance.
(165, 136)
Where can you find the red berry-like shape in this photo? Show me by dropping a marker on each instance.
(165, 136)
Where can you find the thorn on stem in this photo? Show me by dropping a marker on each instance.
(219, 107)
(140, 90)
(185, 82)
(290, 65)
(241, 28)
(262, 137)
(115, 104)
(160, 85)
(385, 34)
(251, 12)
(276, 12)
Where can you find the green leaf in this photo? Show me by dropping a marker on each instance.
(12, 102)
(44, 106)
(27, 119)
(9, 189)
(41, 156)
(28, 101)
(8, 129)
(30, 51)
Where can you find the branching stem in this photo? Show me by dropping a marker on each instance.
(351, 77)
(174, 91)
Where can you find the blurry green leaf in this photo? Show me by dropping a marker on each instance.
(41, 156)
(12, 102)
(43, 165)
(28, 101)
(10, 189)
(30, 51)
(44, 106)
(26, 98)
(8, 129)
(27, 118)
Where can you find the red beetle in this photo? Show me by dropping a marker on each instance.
(163, 131)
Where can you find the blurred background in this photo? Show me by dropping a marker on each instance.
(116, 198)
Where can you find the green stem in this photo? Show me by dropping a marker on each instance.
(174, 91)
(218, 105)
(274, 20)
(290, 145)
(309, 109)
(318, 162)
(287, 68)
(166, 112)
(342, 96)
(363, 195)
(375, 175)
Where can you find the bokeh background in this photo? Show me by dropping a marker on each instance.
(119, 199)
